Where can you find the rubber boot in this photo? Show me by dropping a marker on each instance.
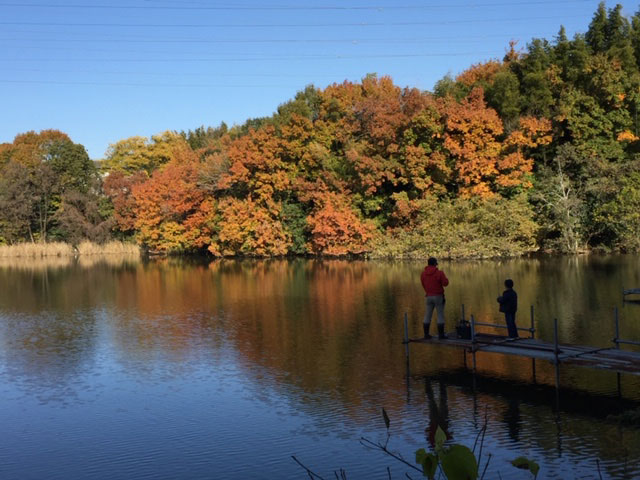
(441, 334)
(425, 328)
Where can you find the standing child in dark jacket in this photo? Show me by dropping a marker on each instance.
(509, 305)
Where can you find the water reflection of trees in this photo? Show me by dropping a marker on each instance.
(329, 319)
(46, 354)
(49, 322)
(31, 264)
(63, 288)
(49, 263)
(331, 324)
(320, 329)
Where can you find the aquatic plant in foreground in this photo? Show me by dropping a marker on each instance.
(450, 462)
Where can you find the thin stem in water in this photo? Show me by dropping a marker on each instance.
(311, 473)
(368, 443)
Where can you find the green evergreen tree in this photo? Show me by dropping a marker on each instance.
(596, 35)
(620, 46)
(504, 96)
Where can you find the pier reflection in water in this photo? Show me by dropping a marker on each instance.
(173, 369)
(572, 439)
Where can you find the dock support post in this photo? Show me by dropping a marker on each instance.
(473, 342)
(556, 351)
(464, 351)
(533, 330)
(617, 322)
(616, 341)
(406, 351)
(533, 335)
(406, 335)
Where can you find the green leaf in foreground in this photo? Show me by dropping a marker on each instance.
(441, 437)
(459, 463)
(429, 463)
(526, 464)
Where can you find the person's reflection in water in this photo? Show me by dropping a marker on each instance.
(438, 411)
(512, 419)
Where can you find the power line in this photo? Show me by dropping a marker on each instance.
(209, 36)
(247, 59)
(153, 84)
(286, 25)
(289, 8)
(356, 48)
(135, 84)
(353, 41)
(176, 74)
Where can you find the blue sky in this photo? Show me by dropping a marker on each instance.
(105, 70)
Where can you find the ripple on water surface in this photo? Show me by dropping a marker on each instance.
(225, 371)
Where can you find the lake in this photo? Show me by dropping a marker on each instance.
(176, 369)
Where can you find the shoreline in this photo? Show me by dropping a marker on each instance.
(66, 250)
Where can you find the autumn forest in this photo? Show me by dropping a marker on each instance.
(538, 151)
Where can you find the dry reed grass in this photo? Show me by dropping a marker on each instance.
(109, 248)
(60, 249)
(36, 250)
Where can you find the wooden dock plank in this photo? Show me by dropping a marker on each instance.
(605, 358)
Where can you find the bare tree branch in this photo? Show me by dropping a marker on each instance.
(484, 431)
(311, 474)
(486, 466)
(366, 442)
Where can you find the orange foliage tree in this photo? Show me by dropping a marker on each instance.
(376, 119)
(480, 74)
(425, 166)
(485, 163)
(251, 190)
(118, 187)
(514, 165)
(256, 168)
(30, 149)
(328, 178)
(172, 212)
(336, 228)
(385, 140)
(246, 227)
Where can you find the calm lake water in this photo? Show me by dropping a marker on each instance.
(116, 369)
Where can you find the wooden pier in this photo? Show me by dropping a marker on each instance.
(631, 291)
(610, 358)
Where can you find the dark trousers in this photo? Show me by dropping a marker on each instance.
(510, 318)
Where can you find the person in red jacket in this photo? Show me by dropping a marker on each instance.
(433, 281)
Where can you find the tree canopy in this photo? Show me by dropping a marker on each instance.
(538, 150)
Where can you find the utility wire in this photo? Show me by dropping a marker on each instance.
(354, 41)
(286, 8)
(198, 51)
(134, 84)
(105, 36)
(181, 74)
(247, 59)
(154, 84)
(287, 25)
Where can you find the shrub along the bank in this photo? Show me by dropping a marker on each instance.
(465, 228)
